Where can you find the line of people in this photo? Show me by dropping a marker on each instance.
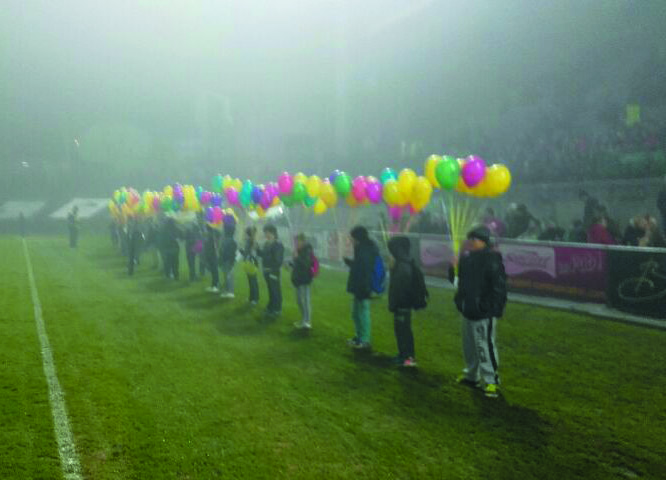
(480, 277)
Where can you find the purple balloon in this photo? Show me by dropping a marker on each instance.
(232, 196)
(395, 212)
(333, 176)
(266, 202)
(206, 197)
(257, 194)
(473, 170)
(229, 220)
(216, 200)
(271, 191)
(210, 215)
(157, 203)
(374, 192)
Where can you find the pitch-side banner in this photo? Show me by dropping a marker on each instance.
(88, 207)
(13, 209)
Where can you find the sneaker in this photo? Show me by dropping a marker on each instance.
(298, 325)
(253, 303)
(213, 290)
(409, 362)
(362, 346)
(227, 295)
(463, 380)
(491, 390)
(352, 342)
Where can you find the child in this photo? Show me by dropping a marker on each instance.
(170, 248)
(193, 245)
(251, 263)
(481, 298)
(272, 256)
(228, 259)
(401, 300)
(359, 284)
(301, 278)
(134, 242)
(210, 258)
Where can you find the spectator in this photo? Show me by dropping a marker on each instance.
(496, 226)
(635, 231)
(577, 233)
(518, 220)
(591, 210)
(598, 233)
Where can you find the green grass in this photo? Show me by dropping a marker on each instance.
(164, 381)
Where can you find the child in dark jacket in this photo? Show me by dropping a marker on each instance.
(228, 259)
(359, 284)
(170, 248)
(193, 246)
(301, 278)
(210, 256)
(272, 256)
(481, 298)
(401, 299)
(251, 263)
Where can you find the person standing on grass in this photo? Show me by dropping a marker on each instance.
(134, 242)
(171, 249)
(272, 257)
(210, 257)
(302, 275)
(481, 298)
(228, 250)
(359, 284)
(401, 299)
(251, 263)
(193, 247)
(73, 226)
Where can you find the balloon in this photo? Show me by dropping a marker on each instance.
(300, 177)
(237, 184)
(216, 200)
(499, 179)
(473, 171)
(327, 194)
(257, 193)
(261, 212)
(276, 202)
(320, 207)
(167, 203)
(217, 215)
(358, 188)
(288, 200)
(217, 183)
(431, 165)
(116, 196)
(157, 203)
(406, 181)
(342, 184)
(392, 194)
(227, 182)
(168, 191)
(285, 184)
(300, 192)
(228, 220)
(206, 198)
(351, 201)
(333, 176)
(232, 196)
(313, 185)
(373, 190)
(309, 201)
(209, 214)
(395, 213)
(447, 172)
(421, 193)
(266, 201)
(199, 191)
(272, 190)
(387, 174)
(245, 197)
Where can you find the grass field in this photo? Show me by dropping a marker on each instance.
(164, 381)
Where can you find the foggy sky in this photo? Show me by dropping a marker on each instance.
(296, 84)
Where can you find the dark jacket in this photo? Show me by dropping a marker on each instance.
(632, 235)
(250, 252)
(210, 245)
(169, 236)
(192, 237)
(481, 285)
(301, 273)
(359, 282)
(272, 256)
(400, 287)
(228, 251)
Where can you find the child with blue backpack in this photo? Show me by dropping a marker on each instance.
(360, 284)
(304, 268)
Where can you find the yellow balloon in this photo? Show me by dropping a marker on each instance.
(430, 168)
(328, 194)
(237, 184)
(168, 191)
(260, 211)
(227, 182)
(320, 207)
(422, 191)
(406, 181)
(313, 186)
(351, 201)
(500, 179)
(276, 202)
(392, 194)
(300, 177)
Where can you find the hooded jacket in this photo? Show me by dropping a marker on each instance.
(359, 282)
(481, 285)
(400, 287)
(272, 256)
(301, 273)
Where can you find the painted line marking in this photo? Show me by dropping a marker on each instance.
(69, 460)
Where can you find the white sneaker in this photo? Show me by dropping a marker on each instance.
(227, 295)
(213, 290)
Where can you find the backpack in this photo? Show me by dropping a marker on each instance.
(378, 276)
(418, 292)
(314, 269)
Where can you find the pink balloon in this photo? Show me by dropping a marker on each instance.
(285, 183)
(272, 190)
(206, 197)
(157, 203)
(374, 192)
(473, 170)
(358, 188)
(395, 212)
(232, 196)
(217, 215)
(266, 201)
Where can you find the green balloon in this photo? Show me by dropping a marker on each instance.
(447, 172)
(299, 193)
(310, 201)
(343, 184)
(287, 200)
(166, 204)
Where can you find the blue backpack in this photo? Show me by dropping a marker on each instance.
(378, 276)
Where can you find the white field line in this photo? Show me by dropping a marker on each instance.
(69, 460)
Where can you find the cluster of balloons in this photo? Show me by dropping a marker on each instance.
(468, 175)
(403, 191)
